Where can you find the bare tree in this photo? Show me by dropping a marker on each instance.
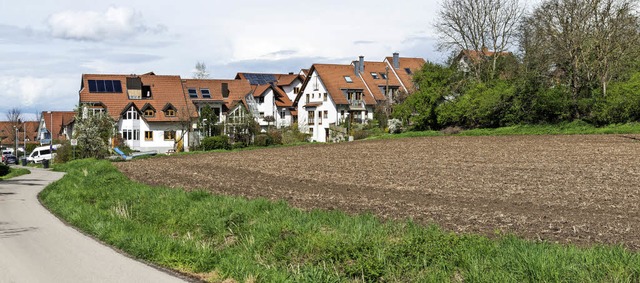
(581, 43)
(14, 116)
(201, 71)
(479, 24)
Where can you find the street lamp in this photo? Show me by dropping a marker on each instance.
(51, 128)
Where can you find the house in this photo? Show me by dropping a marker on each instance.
(152, 112)
(55, 125)
(466, 59)
(403, 69)
(274, 95)
(227, 98)
(26, 132)
(332, 95)
(344, 95)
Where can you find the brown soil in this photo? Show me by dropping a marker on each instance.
(577, 189)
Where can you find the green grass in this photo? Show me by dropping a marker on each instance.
(222, 238)
(572, 128)
(15, 172)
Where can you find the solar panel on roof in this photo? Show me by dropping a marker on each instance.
(92, 86)
(117, 86)
(260, 79)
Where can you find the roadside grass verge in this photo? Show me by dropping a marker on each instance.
(15, 172)
(219, 238)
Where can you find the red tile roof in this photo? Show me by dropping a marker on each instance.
(164, 90)
(333, 78)
(60, 119)
(413, 64)
(7, 132)
(238, 89)
(375, 84)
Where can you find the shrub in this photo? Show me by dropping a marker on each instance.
(64, 153)
(395, 126)
(216, 142)
(262, 140)
(360, 134)
(292, 135)
(4, 169)
(276, 136)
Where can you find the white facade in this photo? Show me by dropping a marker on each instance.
(317, 111)
(290, 90)
(144, 136)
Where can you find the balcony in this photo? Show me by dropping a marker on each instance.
(356, 105)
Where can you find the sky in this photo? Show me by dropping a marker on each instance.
(46, 45)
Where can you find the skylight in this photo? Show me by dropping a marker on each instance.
(193, 93)
(408, 71)
(374, 75)
(383, 76)
(348, 79)
(205, 93)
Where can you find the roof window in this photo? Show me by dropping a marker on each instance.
(374, 75)
(193, 93)
(205, 93)
(408, 71)
(348, 79)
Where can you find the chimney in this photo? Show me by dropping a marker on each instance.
(362, 64)
(290, 73)
(356, 68)
(225, 90)
(396, 60)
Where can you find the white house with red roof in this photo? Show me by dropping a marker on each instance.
(152, 112)
(344, 95)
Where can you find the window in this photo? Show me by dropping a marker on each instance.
(169, 135)
(374, 75)
(131, 135)
(326, 114)
(170, 113)
(283, 114)
(348, 79)
(261, 99)
(408, 71)
(106, 86)
(205, 93)
(313, 95)
(149, 113)
(148, 135)
(383, 76)
(312, 118)
(131, 114)
(95, 111)
(193, 93)
(296, 90)
(261, 114)
(307, 98)
(325, 97)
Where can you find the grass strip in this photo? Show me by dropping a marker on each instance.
(15, 172)
(228, 238)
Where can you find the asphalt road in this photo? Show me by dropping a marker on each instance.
(35, 246)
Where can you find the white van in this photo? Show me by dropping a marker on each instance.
(41, 153)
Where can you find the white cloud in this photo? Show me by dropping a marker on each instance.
(37, 93)
(115, 23)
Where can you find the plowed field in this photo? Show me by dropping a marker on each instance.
(578, 189)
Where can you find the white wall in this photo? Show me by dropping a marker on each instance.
(157, 142)
(288, 89)
(315, 90)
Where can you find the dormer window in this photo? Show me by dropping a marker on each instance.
(374, 75)
(193, 93)
(205, 93)
(148, 111)
(348, 79)
(131, 114)
(169, 110)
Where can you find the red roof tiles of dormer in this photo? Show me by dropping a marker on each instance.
(165, 90)
(333, 78)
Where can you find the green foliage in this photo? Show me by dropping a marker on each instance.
(216, 142)
(207, 122)
(64, 153)
(15, 172)
(236, 239)
(292, 135)
(4, 169)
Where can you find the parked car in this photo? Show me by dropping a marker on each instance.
(9, 159)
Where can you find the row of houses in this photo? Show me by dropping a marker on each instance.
(160, 112)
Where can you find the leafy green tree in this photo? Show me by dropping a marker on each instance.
(208, 122)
